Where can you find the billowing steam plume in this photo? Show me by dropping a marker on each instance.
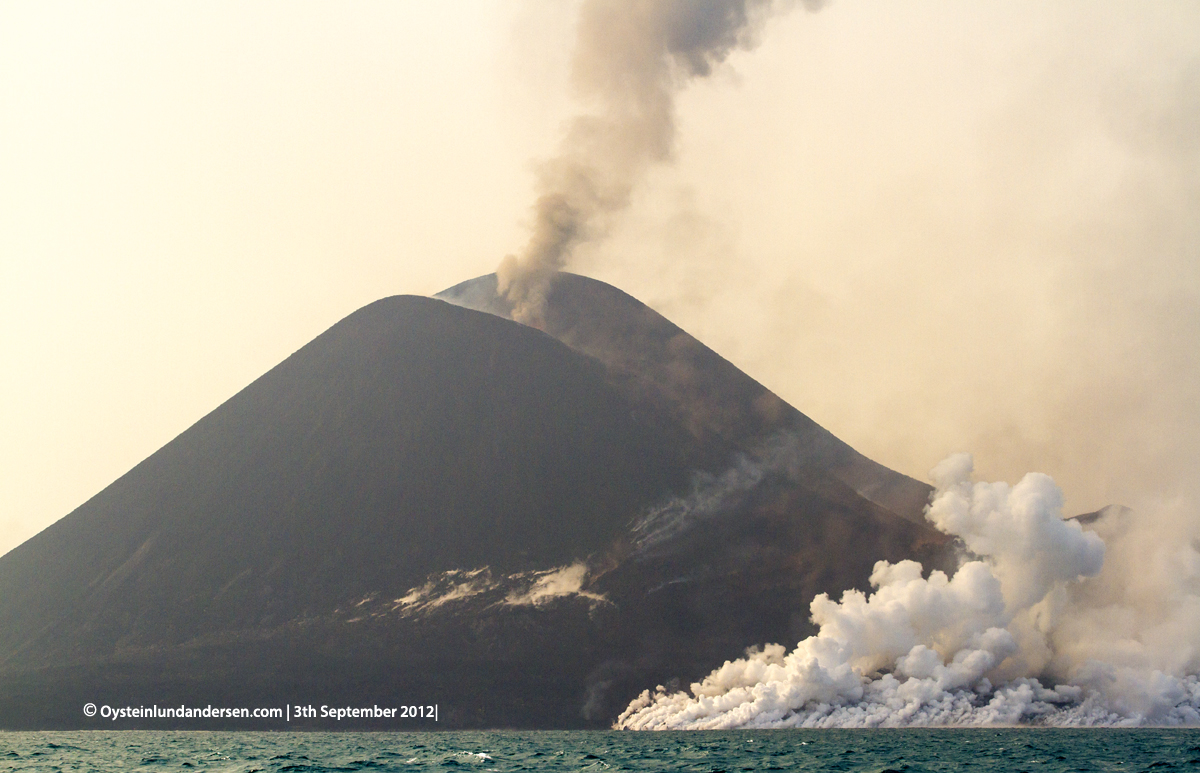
(1042, 622)
(631, 57)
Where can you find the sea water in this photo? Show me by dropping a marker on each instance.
(1015, 749)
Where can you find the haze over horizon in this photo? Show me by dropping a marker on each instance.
(929, 227)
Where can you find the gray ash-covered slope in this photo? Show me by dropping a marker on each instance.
(432, 504)
(654, 362)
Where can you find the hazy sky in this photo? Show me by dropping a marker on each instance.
(931, 226)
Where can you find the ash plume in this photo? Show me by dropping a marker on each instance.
(630, 60)
(1043, 622)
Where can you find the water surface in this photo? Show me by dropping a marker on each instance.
(872, 751)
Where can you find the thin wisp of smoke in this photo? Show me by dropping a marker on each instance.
(631, 58)
(1037, 600)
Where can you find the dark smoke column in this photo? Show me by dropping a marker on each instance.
(631, 57)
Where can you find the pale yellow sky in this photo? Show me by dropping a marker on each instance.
(931, 226)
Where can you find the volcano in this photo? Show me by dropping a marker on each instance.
(433, 504)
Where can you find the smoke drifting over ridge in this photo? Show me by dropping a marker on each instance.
(1013, 185)
(1040, 623)
(1006, 256)
(630, 60)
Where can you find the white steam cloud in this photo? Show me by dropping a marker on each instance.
(1043, 622)
(631, 58)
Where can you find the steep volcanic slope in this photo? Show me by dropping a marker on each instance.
(432, 504)
(651, 360)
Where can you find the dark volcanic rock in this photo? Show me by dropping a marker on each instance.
(655, 363)
(432, 504)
